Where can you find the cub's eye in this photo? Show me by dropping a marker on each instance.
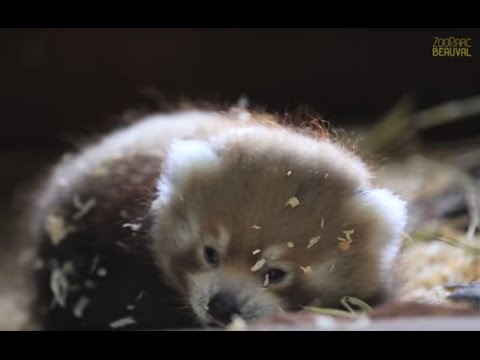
(276, 275)
(211, 256)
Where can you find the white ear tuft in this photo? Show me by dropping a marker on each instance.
(389, 206)
(187, 156)
(184, 158)
(390, 214)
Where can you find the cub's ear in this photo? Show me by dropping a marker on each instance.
(185, 158)
(387, 215)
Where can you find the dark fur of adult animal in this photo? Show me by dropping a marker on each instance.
(132, 286)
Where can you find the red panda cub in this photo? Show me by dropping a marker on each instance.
(191, 218)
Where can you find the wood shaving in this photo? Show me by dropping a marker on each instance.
(83, 209)
(322, 224)
(80, 306)
(57, 228)
(306, 269)
(77, 202)
(95, 262)
(344, 245)
(255, 252)
(68, 268)
(348, 233)
(133, 227)
(102, 272)
(267, 280)
(293, 202)
(120, 323)
(289, 173)
(258, 265)
(326, 176)
(139, 296)
(313, 241)
(256, 227)
(290, 244)
(59, 287)
(122, 245)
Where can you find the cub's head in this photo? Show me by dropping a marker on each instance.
(262, 220)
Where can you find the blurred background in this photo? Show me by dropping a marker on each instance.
(61, 85)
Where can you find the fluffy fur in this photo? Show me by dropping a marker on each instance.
(193, 180)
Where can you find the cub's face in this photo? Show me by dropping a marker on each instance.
(263, 220)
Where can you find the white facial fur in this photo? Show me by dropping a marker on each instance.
(254, 301)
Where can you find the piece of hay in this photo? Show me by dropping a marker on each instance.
(329, 311)
(346, 301)
(349, 300)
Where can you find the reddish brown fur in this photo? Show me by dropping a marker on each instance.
(247, 185)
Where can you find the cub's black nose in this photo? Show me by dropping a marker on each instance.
(222, 306)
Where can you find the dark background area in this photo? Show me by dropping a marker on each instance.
(60, 84)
